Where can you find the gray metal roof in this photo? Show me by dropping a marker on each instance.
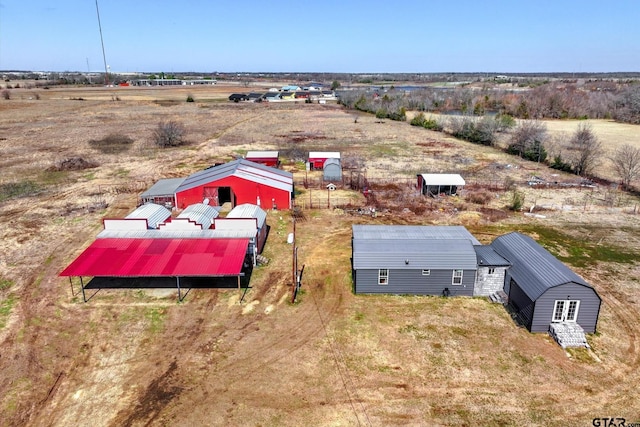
(154, 214)
(330, 162)
(244, 169)
(533, 267)
(248, 210)
(442, 232)
(200, 214)
(177, 234)
(488, 257)
(420, 254)
(164, 187)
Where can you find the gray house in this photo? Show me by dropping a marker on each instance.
(542, 290)
(416, 260)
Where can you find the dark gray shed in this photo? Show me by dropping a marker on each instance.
(416, 266)
(332, 170)
(542, 290)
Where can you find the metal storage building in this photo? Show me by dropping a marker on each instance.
(267, 158)
(249, 211)
(196, 216)
(317, 158)
(433, 184)
(417, 260)
(162, 192)
(147, 216)
(542, 290)
(237, 182)
(332, 170)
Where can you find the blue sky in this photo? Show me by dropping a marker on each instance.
(322, 36)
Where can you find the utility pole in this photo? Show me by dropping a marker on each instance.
(104, 57)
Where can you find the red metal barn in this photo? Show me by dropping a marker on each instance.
(237, 182)
(267, 158)
(317, 158)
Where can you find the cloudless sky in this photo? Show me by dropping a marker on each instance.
(352, 36)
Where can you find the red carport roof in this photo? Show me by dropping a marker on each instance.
(159, 258)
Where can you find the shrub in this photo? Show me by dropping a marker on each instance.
(190, 98)
(169, 134)
(481, 197)
(517, 200)
(418, 120)
(6, 94)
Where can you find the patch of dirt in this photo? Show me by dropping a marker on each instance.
(73, 164)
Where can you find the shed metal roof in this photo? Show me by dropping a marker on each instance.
(244, 169)
(154, 214)
(533, 267)
(394, 254)
(261, 155)
(408, 232)
(160, 258)
(164, 187)
(331, 161)
(489, 257)
(324, 154)
(247, 210)
(200, 214)
(442, 179)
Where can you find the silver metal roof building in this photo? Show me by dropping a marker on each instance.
(200, 214)
(164, 187)
(176, 234)
(488, 257)
(154, 214)
(418, 232)
(248, 210)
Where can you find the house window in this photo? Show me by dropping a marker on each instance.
(457, 277)
(426, 272)
(383, 276)
(492, 270)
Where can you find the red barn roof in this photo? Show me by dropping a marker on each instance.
(160, 258)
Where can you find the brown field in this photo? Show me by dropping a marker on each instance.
(221, 357)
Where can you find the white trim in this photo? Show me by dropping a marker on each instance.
(383, 279)
(561, 309)
(454, 277)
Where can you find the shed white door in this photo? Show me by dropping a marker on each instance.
(565, 311)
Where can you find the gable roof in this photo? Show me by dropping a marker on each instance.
(533, 267)
(413, 254)
(324, 154)
(412, 232)
(244, 169)
(200, 214)
(261, 155)
(154, 214)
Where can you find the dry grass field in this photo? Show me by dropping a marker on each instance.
(224, 357)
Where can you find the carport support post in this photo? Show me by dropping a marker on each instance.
(239, 283)
(178, 284)
(71, 284)
(84, 298)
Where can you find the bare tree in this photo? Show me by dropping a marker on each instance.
(626, 163)
(169, 134)
(585, 150)
(528, 140)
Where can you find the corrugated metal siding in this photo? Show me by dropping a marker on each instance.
(587, 312)
(442, 232)
(154, 214)
(414, 283)
(248, 210)
(533, 267)
(164, 187)
(332, 172)
(200, 214)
